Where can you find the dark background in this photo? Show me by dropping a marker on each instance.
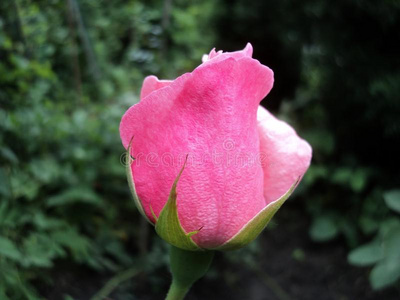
(68, 71)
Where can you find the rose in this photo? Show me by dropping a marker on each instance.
(241, 160)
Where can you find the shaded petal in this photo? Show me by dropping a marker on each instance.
(284, 155)
(199, 114)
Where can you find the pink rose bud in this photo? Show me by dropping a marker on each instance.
(242, 162)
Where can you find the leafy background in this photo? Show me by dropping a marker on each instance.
(68, 71)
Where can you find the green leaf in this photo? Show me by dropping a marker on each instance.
(128, 162)
(384, 274)
(389, 224)
(4, 186)
(8, 249)
(3, 294)
(78, 244)
(256, 225)
(387, 271)
(391, 243)
(43, 222)
(79, 194)
(168, 226)
(23, 185)
(358, 180)
(45, 170)
(323, 229)
(368, 224)
(366, 255)
(392, 200)
(40, 250)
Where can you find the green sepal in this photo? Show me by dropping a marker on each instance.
(168, 226)
(128, 162)
(256, 225)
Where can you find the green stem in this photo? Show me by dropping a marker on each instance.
(186, 268)
(176, 292)
(115, 282)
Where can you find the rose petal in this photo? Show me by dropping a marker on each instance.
(215, 56)
(152, 83)
(210, 115)
(284, 155)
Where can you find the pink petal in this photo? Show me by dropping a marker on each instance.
(209, 114)
(152, 83)
(284, 155)
(220, 55)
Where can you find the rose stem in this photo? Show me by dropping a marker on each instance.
(186, 268)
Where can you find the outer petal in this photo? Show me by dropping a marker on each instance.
(152, 83)
(210, 115)
(216, 56)
(285, 156)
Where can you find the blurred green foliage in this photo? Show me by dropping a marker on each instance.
(383, 251)
(337, 77)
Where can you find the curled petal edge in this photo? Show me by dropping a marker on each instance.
(257, 224)
(128, 162)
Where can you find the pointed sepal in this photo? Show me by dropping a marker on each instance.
(128, 162)
(168, 226)
(257, 224)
